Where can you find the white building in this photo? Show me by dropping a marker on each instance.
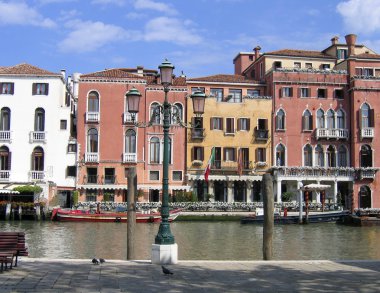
(36, 146)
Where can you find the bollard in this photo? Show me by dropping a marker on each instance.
(131, 213)
(20, 213)
(268, 216)
(38, 213)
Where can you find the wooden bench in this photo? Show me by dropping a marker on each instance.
(12, 245)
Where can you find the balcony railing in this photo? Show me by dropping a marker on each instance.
(109, 179)
(37, 136)
(91, 179)
(368, 132)
(127, 117)
(37, 175)
(315, 171)
(232, 166)
(334, 133)
(92, 116)
(367, 173)
(197, 133)
(129, 158)
(261, 134)
(5, 135)
(4, 175)
(91, 157)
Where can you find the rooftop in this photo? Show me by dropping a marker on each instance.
(224, 78)
(26, 69)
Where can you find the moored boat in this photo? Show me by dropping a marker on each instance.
(68, 215)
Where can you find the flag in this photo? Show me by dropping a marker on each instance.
(209, 164)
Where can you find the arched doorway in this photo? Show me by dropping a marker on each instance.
(365, 197)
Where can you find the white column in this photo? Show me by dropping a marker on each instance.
(211, 190)
(335, 191)
(249, 191)
(318, 194)
(279, 191)
(230, 191)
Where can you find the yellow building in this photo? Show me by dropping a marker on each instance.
(236, 124)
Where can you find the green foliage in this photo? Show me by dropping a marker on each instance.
(28, 189)
(184, 196)
(75, 197)
(286, 196)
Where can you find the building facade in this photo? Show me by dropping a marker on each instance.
(37, 143)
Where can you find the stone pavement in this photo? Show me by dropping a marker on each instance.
(55, 276)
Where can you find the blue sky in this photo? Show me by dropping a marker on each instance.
(200, 37)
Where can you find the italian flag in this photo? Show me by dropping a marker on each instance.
(209, 164)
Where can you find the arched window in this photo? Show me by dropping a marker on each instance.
(365, 197)
(155, 113)
(320, 119)
(92, 140)
(340, 119)
(38, 159)
(93, 102)
(365, 115)
(342, 156)
(331, 159)
(280, 120)
(178, 113)
(39, 120)
(330, 119)
(365, 156)
(130, 141)
(319, 156)
(5, 119)
(307, 155)
(307, 121)
(5, 160)
(280, 155)
(155, 150)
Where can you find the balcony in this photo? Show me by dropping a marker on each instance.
(127, 117)
(37, 175)
(367, 173)
(223, 166)
(91, 157)
(129, 157)
(315, 172)
(331, 133)
(5, 136)
(368, 132)
(197, 133)
(92, 116)
(37, 136)
(4, 175)
(109, 179)
(91, 179)
(261, 134)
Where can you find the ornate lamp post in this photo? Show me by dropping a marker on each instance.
(164, 250)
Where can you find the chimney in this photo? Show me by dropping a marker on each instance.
(334, 40)
(63, 73)
(351, 40)
(257, 52)
(140, 70)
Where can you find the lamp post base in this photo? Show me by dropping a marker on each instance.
(165, 254)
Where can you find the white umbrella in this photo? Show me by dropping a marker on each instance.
(315, 187)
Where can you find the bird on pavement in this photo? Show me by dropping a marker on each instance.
(102, 260)
(166, 271)
(95, 261)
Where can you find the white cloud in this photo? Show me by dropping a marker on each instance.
(21, 14)
(89, 36)
(170, 30)
(158, 6)
(135, 15)
(106, 2)
(360, 16)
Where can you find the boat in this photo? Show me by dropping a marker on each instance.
(69, 215)
(295, 219)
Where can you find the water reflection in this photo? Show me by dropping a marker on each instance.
(199, 240)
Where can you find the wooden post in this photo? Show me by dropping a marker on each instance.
(131, 213)
(323, 200)
(38, 212)
(268, 216)
(306, 206)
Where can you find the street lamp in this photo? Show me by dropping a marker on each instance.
(164, 249)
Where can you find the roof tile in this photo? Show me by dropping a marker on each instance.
(299, 53)
(228, 78)
(26, 69)
(111, 73)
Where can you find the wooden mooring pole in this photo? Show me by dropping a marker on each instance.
(268, 216)
(131, 213)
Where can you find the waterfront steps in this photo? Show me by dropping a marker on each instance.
(55, 275)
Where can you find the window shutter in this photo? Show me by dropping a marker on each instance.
(266, 124)
(308, 92)
(47, 89)
(34, 88)
(303, 122)
(1, 87)
(221, 123)
(299, 92)
(281, 92)
(9, 160)
(211, 123)
(291, 92)
(239, 124)
(192, 154)
(372, 118)
(234, 155)
(224, 154)
(257, 155)
(12, 88)
(248, 124)
(264, 155)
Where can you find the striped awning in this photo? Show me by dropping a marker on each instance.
(103, 186)
(8, 191)
(226, 177)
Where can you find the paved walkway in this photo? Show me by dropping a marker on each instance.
(55, 276)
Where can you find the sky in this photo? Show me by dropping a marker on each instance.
(200, 37)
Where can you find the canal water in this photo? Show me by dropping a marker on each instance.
(199, 240)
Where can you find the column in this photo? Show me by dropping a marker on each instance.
(211, 191)
(318, 193)
(249, 191)
(335, 191)
(230, 191)
(279, 191)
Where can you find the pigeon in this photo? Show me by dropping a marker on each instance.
(95, 261)
(166, 271)
(102, 260)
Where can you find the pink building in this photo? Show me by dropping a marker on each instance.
(109, 143)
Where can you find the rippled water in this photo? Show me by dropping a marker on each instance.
(199, 240)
